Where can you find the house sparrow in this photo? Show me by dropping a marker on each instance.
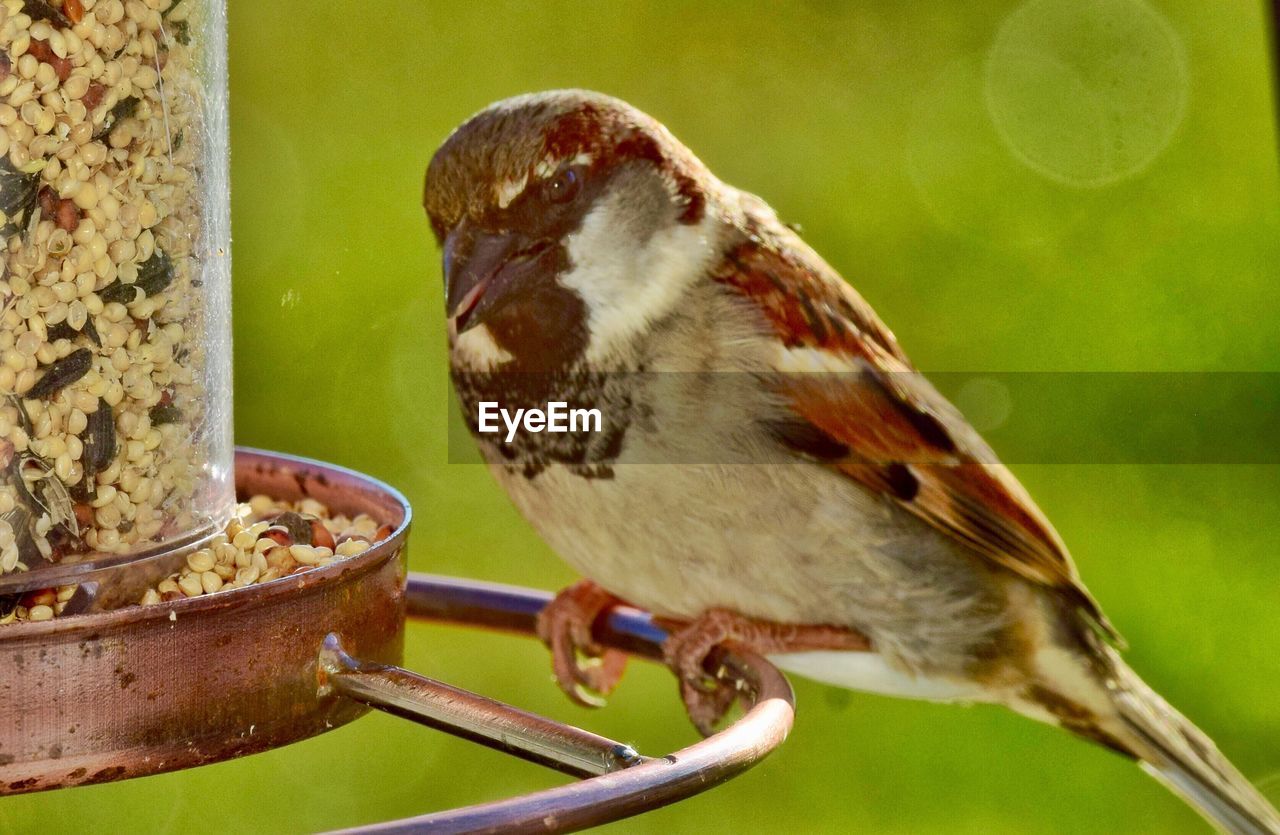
(770, 470)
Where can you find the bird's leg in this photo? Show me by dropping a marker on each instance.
(708, 697)
(584, 670)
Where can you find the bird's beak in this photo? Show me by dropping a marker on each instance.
(483, 272)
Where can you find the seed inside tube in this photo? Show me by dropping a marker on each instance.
(103, 141)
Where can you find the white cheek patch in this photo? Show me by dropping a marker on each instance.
(509, 190)
(628, 282)
(476, 350)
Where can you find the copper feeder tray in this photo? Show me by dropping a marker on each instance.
(108, 696)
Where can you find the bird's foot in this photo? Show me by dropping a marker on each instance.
(707, 695)
(584, 669)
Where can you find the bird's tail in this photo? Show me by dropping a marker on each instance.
(1185, 760)
(1114, 707)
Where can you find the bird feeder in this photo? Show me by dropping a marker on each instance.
(298, 656)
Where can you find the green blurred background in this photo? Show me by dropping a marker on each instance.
(1043, 185)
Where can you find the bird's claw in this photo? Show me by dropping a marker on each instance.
(708, 694)
(586, 671)
(707, 705)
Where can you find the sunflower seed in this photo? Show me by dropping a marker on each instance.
(40, 10)
(155, 274)
(167, 413)
(19, 194)
(62, 373)
(99, 439)
(298, 526)
(123, 110)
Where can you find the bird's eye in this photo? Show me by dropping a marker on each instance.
(564, 186)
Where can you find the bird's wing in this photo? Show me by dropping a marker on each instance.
(877, 420)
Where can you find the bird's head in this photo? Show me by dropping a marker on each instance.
(569, 221)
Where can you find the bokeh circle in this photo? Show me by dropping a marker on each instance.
(1086, 92)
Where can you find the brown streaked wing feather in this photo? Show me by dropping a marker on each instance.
(905, 440)
(804, 297)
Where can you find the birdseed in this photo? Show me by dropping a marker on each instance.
(104, 446)
(267, 539)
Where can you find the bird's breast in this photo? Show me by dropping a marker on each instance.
(789, 543)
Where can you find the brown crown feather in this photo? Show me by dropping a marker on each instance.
(510, 139)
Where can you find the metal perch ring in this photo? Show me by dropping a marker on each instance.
(620, 782)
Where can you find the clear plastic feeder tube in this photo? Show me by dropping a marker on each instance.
(115, 382)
